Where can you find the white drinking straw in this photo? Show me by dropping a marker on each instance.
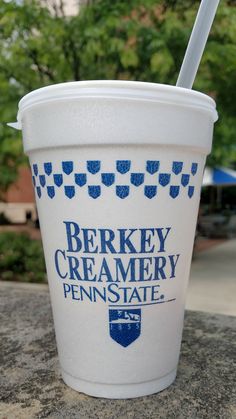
(197, 42)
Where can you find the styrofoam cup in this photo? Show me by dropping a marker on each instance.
(117, 170)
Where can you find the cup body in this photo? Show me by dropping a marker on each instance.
(117, 193)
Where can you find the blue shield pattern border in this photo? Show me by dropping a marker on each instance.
(125, 325)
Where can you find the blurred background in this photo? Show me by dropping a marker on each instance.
(43, 42)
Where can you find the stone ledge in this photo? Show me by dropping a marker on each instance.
(31, 385)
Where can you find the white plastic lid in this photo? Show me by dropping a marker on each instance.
(117, 89)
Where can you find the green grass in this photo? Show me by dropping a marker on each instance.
(21, 258)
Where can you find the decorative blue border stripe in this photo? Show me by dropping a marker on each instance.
(122, 181)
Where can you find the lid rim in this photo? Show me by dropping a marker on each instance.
(121, 89)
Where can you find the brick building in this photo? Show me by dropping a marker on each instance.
(19, 205)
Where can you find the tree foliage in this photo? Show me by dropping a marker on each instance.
(134, 40)
(21, 258)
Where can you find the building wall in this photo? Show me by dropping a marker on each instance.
(19, 205)
(22, 189)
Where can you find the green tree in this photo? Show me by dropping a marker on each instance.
(134, 40)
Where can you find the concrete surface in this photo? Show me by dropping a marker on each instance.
(212, 286)
(31, 385)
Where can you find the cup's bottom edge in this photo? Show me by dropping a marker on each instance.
(119, 391)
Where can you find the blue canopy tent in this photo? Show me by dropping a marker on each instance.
(219, 177)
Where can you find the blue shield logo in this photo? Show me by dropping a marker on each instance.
(125, 325)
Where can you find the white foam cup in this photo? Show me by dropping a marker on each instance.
(117, 169)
